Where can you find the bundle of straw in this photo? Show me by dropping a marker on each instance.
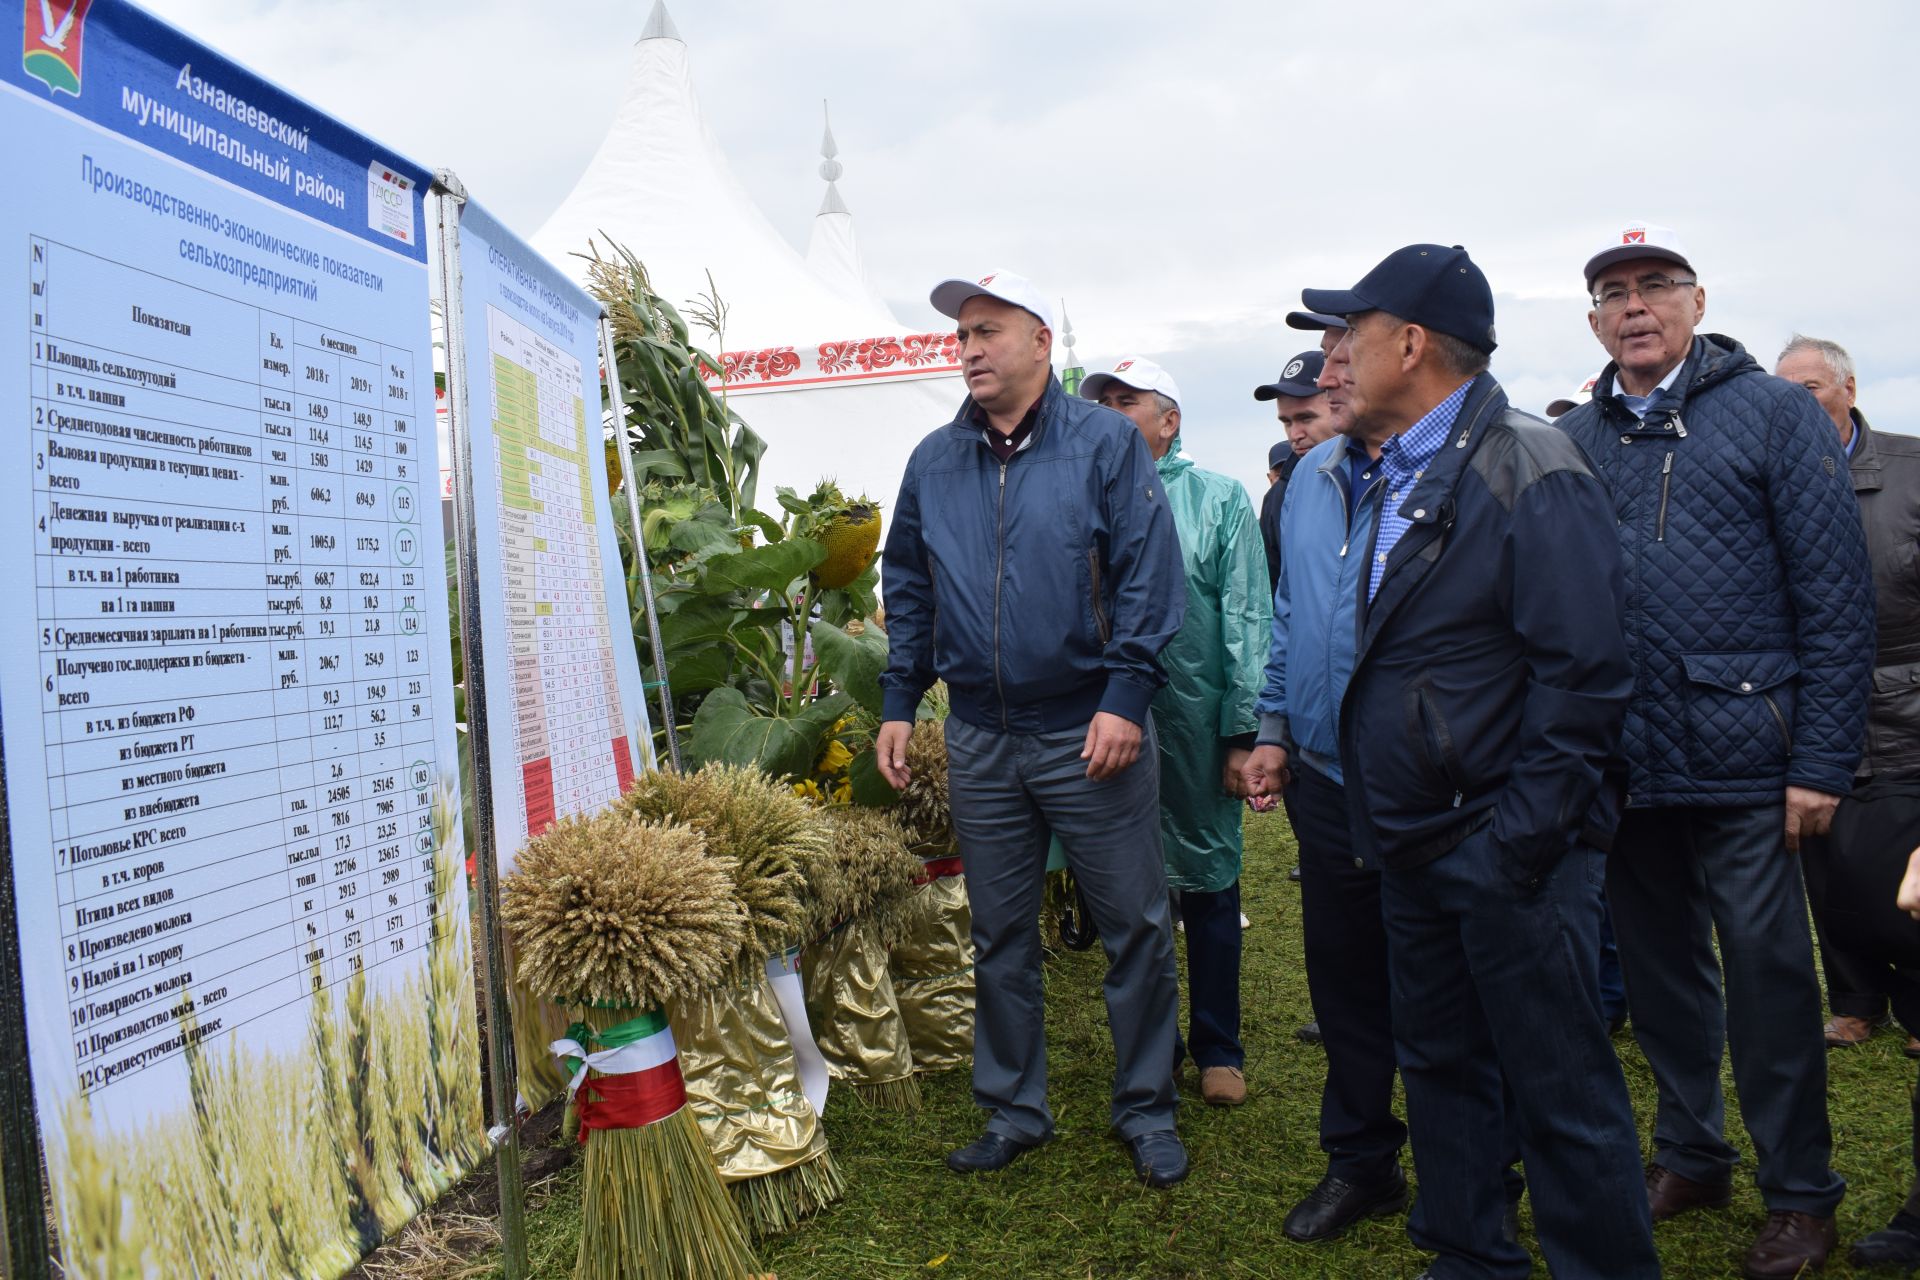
(742, 1078)
(932, 959)
(618, 915)
(849, 994)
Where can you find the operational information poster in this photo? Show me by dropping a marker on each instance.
(566, 713)
(224, 665)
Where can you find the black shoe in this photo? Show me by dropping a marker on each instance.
(1336, 1204)
(1294, 875)
(988, 1152)
(1309, 1034)
(1158, 1158)
(1897, 1245)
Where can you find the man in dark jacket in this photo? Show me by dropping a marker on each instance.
(1886, 480)
(1488, 685)
(1033, 564)
(1751, 627)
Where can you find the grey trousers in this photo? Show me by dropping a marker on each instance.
(1679, 878)
(1009, 793)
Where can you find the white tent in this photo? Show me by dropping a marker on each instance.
(815, 362)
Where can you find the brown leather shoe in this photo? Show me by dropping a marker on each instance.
(1791, 1244)
(1844, 1032)
(1669, 1194)
(1223, 1086)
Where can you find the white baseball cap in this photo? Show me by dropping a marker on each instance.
(1638, 239)
(1132, 371)
(1566, 404)
(949, 295)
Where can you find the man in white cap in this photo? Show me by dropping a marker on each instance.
(1204, 716)
(1750, 625)
(1032, 564)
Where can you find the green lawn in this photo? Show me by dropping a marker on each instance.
(1072, 1209)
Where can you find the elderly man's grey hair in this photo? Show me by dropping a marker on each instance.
(1839, 363)
(1164, 402)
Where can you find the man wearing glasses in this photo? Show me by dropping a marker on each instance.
(1750, 623)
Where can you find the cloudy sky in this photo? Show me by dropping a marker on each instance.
(1179, 171)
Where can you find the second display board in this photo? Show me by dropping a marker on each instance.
(566, 714)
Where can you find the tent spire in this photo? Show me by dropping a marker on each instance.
(660, 24)
(1071, 374)
(830, 168)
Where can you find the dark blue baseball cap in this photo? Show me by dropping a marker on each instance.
(1278, 454)
(1314, 320)
(1299, 378)
(1431, 285)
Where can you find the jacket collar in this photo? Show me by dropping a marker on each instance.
(1713, 359)
(1052, 402)
(1865, 462)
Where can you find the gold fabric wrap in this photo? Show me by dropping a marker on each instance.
(932, 972)
(742, 1082)
(850, 1002)
(537, 1023)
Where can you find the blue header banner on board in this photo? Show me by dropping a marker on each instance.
(127, 72)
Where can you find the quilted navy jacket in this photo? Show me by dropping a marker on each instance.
(1749, 597)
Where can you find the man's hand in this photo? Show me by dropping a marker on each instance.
(890, 752)
(1232, 779)
(1909, 899)
(1113, 743)
(1809, 813)
(1266, 771)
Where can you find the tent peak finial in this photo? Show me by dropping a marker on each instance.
(660, 24)
(829, 167)
(1066, 331)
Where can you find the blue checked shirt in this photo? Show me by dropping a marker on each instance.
(1403, 460)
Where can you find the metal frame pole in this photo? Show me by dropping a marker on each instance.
(612, 367)
(448, 195)
(25, 1250)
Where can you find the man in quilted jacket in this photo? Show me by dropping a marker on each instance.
(1750, 621)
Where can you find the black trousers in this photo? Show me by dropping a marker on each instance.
(1346, 946)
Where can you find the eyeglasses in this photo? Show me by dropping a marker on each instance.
(1653, 290)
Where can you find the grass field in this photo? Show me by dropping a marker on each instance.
(1072, 1209)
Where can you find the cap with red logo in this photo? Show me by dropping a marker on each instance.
(1638, 239)
(1566, 404)
(949, 295)
(1136, 372)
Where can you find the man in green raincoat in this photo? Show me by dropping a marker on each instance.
(1204, 715)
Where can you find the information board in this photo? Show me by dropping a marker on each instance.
(567, 716)
(224, 662)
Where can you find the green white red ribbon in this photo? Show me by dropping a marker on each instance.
(640, 1080)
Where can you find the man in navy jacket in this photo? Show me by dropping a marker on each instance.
(1489, 681)
(1033, 564)
(1751, 625)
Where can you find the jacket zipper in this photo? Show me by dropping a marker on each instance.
(1786, 739)
(933, 588)
(1000, 572)
(1666, 481)
(1442, 743)
(1099, 615)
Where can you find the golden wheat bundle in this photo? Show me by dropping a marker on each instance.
(742, 1077)
(760, 829)
(618, 915)
(615, 910)
(923, 809)
(743, 1086)
(849, 996)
